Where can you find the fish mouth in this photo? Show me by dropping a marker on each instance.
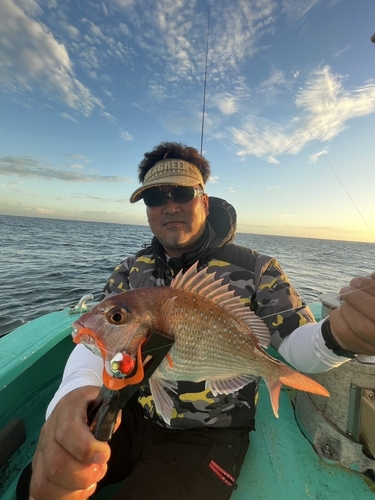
(87, 337)
(112, 378)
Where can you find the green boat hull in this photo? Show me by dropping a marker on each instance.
(281, 463)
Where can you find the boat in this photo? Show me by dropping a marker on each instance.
(319, 448)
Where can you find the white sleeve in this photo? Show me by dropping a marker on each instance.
(82, 368)
(306, 351)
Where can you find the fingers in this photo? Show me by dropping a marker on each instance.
(46, 487)
(353, 324)
(73, 435)
(68, 461)
(350, 329)
(61, 468)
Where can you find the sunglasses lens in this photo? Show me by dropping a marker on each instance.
(182, 194)
(153, 197)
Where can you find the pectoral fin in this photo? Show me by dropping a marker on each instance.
(162, 321)
(163, 402)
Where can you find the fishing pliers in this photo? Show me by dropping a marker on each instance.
(103, 411)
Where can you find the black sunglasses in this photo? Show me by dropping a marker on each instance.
(154, 197)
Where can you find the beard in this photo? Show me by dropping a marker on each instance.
(181, 242)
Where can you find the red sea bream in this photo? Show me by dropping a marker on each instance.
(216, 338)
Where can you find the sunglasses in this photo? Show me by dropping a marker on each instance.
(154, 197)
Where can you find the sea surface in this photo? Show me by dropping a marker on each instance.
(48, 264)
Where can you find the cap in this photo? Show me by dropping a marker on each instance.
(170, 171)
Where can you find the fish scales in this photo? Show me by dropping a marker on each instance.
(208, 341)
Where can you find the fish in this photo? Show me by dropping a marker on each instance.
(216, 339)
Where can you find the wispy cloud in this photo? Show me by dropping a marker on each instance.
(314, 157)
(78, 157)
(68, 117)
(45, 211)
(339, 52)
(32, 58)
(322, 109)
(109, 117)
(25, 167)
(41, 50)
(295, 11)
(171, 46)
(126, 136)
(228, 104)
(99, 198)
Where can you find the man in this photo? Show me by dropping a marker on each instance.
(199, 455)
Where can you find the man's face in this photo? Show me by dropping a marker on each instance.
(178, 226)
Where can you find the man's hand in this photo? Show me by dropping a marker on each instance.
(68, 461)
(353, 323)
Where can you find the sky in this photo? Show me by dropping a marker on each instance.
(87, 87)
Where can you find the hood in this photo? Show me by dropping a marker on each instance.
(223, 219)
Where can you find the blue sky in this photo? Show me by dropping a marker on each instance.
(86, 87)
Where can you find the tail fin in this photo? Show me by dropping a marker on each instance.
(291, 378)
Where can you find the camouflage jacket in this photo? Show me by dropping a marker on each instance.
(257, 279)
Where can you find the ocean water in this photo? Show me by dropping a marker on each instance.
(47, 264)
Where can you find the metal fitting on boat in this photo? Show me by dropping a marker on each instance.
(81, 304)
(342, 427)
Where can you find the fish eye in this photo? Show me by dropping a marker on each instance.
(117, 316)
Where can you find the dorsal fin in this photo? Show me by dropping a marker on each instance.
(204, 283)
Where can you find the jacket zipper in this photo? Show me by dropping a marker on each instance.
(223, 475)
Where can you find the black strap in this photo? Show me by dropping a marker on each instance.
(332, 343)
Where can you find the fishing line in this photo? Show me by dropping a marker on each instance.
(338, 178)
(157, 348)
(333, 296)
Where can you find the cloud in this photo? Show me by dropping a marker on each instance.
(99, 198)
(79, 158)
(228, 104)
(124, 3)
(165, 40)
(322, 109)
(314, 157)
(168, 39)
(26, 167)
(66, 116)
(45, 211)
(32, 59)
(126, 136)
(339, 52)
(109, 117)
(295, 11)
(213, 179)
(76, 166)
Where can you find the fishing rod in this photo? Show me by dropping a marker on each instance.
(205, 77)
